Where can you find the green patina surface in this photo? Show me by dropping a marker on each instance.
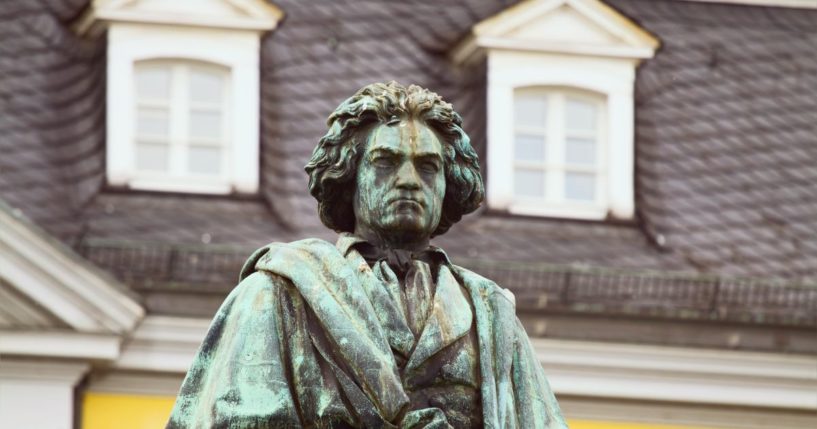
(379, 330)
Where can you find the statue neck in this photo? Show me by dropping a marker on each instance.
(393, 240)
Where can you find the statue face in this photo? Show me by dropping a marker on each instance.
(400, 183)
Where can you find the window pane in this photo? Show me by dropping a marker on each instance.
(152, 122)
(152, 157)
(206, 86)
(204, 160)
(152, 82)
(204, 124)
(581, 115)
(529, 183)
(581, 151)
(580, 186)
(530, 110)
(529, 148)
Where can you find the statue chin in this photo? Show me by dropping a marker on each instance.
(407, 228)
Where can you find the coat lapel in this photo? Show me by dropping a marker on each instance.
(333, 291)
(449, 320)
(390, 316)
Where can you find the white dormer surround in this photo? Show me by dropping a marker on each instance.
(182, 91)
(553, 64)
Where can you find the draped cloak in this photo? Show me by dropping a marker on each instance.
(304, 340)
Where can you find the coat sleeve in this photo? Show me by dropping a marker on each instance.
(536, 406)
(239, 376)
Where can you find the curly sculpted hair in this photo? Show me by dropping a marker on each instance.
(333, 167)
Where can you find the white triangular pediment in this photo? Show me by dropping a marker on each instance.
(586, 27)
(45, 286)
(190, 7)
(563, 24)
(254, 15)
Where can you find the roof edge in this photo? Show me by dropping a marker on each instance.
(490, 33)
(796, 4)
(252, 15)
(61, 281)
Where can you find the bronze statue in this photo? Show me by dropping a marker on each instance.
(379, 330)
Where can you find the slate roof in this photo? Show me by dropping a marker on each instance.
(726, 162)
(52, 114)
(726, 136)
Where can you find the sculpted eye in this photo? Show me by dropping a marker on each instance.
(429, 166)
(382, 161)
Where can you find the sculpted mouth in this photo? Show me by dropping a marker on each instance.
(406, 200)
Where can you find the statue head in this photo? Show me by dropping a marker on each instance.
(395, 161)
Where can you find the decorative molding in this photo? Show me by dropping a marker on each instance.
(683, 375)
(576, 369)
(136, 383)
(60, 344)
(20, 312)
(247, 15)
(626, 414)
(797, 4)
(166, 344)
(56, 279)
(565, 48)
(569, 27)
(51, 371)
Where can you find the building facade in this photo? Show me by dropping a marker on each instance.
(650, 168)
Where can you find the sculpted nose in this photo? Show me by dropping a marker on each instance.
(407, 177)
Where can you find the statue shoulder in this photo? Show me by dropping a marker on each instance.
(486, 286)
(308, 246)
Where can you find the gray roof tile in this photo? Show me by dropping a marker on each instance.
(726, 136)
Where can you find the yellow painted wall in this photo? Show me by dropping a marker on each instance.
(591, 424)
(116, 411)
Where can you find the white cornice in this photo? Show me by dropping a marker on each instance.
(60, 344)
(578, 369)
(66, 372)
(248, 15)
(166, 344)
(650, 414)
(64, 284)
(654, 373)
(136, 382)
(524, 27)
(639, 52)
(797, 4)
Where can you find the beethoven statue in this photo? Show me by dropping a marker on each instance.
(381, 329)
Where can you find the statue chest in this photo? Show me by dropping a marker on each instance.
(449, 380)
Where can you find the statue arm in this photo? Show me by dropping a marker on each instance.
(239, 378)
(535, 402)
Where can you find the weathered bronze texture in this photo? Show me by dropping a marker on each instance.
(379, 330)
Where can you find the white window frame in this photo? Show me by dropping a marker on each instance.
(179, 140)
(221, 32)
(555, 166)
(129, 44)
(610, 78)
(580, 44)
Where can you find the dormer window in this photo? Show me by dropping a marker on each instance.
(559, 147)
(560, 107)
(183, 92)
(182, 128)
